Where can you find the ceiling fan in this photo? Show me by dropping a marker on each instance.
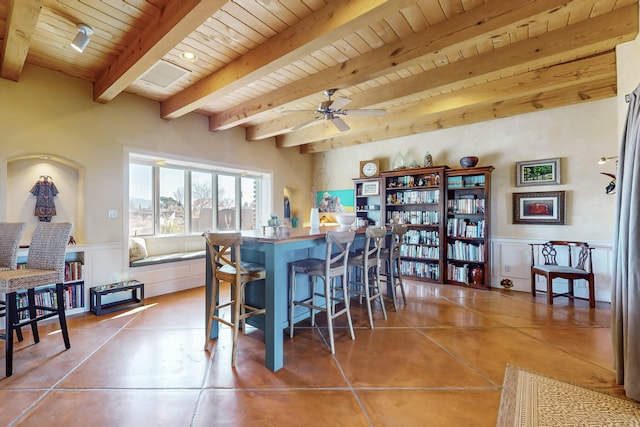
(332, 110)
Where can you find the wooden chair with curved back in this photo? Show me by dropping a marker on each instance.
(577, 265)
(224, 252)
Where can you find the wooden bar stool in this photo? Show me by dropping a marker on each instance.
(330, 270)
(391, 258)
(368, 262)
(224, 251)
(45, 266)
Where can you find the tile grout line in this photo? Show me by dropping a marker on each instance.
(48, 390)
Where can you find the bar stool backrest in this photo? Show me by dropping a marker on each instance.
(373, 244)
(397, 236)
(340, 240)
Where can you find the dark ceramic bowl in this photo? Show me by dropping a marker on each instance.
(469, 161)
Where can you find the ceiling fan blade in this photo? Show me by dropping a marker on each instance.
(340, 124)
(299, 111)
(339, 102)
(364, 112)
(307, 123)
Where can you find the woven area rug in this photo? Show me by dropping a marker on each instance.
(530, 399)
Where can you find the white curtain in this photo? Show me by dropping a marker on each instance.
(625, 294)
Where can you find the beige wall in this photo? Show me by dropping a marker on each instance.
(579, 135)
(47, 113)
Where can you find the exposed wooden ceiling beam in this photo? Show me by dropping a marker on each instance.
(567, 95)
(584, 37)
(177, 21)
(21, 23)
(543, 80)
(326, 25)
(453, 33)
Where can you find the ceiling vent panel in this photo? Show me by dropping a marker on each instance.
(163, 74)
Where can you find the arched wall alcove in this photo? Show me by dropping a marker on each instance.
(22, 174)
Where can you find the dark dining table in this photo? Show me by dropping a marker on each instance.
(275, 248)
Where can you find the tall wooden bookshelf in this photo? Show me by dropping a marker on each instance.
(416, 197)
(447, 212)
(468, 207)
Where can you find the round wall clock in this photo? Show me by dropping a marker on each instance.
(369, 168)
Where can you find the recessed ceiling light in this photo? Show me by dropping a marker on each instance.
(189, 56)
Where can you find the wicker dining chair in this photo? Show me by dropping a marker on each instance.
(10, 235)
(45, 266)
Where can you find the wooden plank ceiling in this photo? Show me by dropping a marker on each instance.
(430, 64)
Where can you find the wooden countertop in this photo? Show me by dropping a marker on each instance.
(294, 234)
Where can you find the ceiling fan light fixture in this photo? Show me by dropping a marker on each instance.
(81, 40)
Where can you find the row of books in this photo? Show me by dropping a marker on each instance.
(458, 273)
(413, 217)
(463, 227)
(413, 197)
(420, 269)
(465, 251)
(466, 206)
(421, 237)
(73, 270)
(416, 251)
(465, 181)
(73, 298)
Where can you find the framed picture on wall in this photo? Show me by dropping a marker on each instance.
(370, 188)
(538, 172)
(547, 207)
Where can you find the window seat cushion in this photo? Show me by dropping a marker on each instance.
(164, 258)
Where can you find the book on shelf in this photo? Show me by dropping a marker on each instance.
(73, 271)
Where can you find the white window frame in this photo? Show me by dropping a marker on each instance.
(263, 190)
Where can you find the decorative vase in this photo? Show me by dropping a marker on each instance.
(468, 161)
(314, 218)
(477, 276)
(428, 160)
(398, 162)
(274, 221)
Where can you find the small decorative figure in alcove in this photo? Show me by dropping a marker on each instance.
(45, 190)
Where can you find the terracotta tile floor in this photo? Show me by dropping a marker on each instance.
(439, 361)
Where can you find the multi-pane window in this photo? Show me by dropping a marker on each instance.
(141, 209)
(171, 190)
(248, 191)
(176, 199)
(201, 201)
